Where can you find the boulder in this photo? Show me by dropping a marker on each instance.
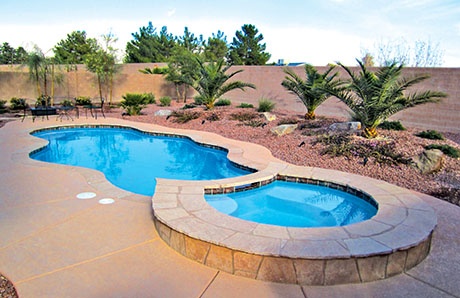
(345, 127)
(163, 113)
(429, 161)
(269, 116)
(284, 129)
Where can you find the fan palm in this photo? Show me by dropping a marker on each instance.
(213, 81)
(375, 96)
(311, 91)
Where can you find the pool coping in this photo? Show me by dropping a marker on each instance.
(393, 241)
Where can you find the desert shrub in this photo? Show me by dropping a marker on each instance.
(165, 101)
(83, 101)
(133, 103)
(66, 103)
(2, 106)
(189, 106)
(223, 102)
(244, 116)
(185, 116)
(290, 120)
(43, 101)
(391, 125)
(343, 145)
(446, 149)
(17, 103)
(244, 105)
(213, 117)
(430, 134)
(265, 105)
(149, 98)
(254, 123)
(198, 100)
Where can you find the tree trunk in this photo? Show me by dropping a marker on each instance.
(310, 115)
(370, 132)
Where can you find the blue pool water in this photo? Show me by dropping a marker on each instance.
(294, 205)
(132, 160)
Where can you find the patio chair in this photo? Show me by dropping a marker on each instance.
(94, 108)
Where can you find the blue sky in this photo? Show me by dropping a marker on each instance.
(317, 32)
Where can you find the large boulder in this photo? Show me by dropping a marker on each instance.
(345, 127)
(269, 116)
(284, 129)
(429, 161)
(163, 113)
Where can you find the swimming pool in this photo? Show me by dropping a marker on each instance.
(132, 159)
(294, 205)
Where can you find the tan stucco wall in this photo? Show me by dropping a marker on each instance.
(444, 116)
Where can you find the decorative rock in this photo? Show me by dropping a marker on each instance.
(269, 116)
(284, 129)
(163, 113)
(429, 161)
(345, 127)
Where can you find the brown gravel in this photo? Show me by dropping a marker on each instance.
(444, 184)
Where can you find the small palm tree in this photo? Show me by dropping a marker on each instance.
(213, 82)
(313, 90)
(373, 97)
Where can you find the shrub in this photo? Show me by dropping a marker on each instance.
(430, 134)
(133, 103)
(2, 106)
(149, 98)
(343, 145)
(446, 149)
(254, 123)
(165, 101)
(223, 102)
(244, 116)
(83, 101)
(265, 105)
(17, 103)
(67, 103)
(198, 100)
(244, 105)
(213, 117)
(185, 116)
(43, 101)
(289, 120)
(391, 125)
(189, 106)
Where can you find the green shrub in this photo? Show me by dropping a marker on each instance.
(391, 125)
(2, 106)
(223, 102)
(446, 149)
(43, 101)
(185, 116)
(244, 105)
(430, 134)
(343, 145)
(133, 103)
(244, 116)
(165, 101)
(83, 101)
(198, 100)
(160, 70)
(149, 98)
(66, 103)
(17, 103)
(265, 105)
(189, 106)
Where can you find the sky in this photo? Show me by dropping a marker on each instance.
(313, 31)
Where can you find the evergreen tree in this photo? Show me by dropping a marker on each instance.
(216, 47)
(74, 48)
(247, 49)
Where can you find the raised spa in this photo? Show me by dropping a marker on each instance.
(295, 205)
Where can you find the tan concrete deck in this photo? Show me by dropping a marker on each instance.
(55, 245)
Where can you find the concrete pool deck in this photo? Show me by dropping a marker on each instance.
(55, 245)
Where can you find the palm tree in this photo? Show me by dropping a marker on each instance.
(373, 97)
(213, 81)
(311, 91)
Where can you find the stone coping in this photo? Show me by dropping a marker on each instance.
(397, 238)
